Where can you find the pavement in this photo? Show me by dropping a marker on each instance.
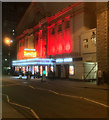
(10, 112)
(79, 83)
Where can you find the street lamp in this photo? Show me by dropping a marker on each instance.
(8, 42)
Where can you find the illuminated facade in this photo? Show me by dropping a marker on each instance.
(59, 37)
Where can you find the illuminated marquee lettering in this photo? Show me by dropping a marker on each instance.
(30, 54)
(26, 49)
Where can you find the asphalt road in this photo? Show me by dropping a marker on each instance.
(55, 99)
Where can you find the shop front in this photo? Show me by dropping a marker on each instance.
(64, 68)
(35, 65)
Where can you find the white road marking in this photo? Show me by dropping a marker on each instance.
(25, 82)
(96, 102)
(35, 115)
(78, 97)
(65, 95)
(31, 87)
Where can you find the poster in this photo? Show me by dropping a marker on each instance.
(71, 70)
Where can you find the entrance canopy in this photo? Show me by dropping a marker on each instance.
(34, 61)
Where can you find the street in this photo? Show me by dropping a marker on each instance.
(53, 99)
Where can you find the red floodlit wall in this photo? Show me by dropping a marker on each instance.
(39, 44)
(51, 47)
(60, 38)
(67, 41)
(60, 42)
(67, 37)
(43, 45)
(36, 42)
(21, 50)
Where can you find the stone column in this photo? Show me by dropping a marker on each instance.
(102, 38)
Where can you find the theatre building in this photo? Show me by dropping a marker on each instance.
(63, 41)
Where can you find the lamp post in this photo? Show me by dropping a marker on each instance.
(8, 42)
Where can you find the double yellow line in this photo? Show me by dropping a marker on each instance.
(33, 112)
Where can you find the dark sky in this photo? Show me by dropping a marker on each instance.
(12, 12)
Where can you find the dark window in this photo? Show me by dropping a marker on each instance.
(20, 44)
(17, 47)
(59, 27)
(77, 59)
(23, 42)
(26, 43)
(37, 37)
(67, 24)
(53, 31)
(44, 31)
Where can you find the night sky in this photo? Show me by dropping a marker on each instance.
(12, 12)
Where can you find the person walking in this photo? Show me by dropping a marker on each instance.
(100, 77)
(103, 78)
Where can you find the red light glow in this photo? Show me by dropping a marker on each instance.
(67, 41)
(60, 42)
(51, 41)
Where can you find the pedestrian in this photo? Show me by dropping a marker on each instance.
(38, 74)
(35, 75)
(53, 75)
(103, 78)
(20, 74)
(100, 77)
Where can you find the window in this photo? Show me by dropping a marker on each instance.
(37, 37)
(93, 38)
(59, 27)
(23, 42)
(67, 24)
(53, 31)
(17, 48)
(20, 44)
(85, 43)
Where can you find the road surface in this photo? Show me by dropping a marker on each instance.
(53, 99)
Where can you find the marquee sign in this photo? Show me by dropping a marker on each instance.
(30, 53)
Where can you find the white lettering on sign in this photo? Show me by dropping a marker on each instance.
(60, 60)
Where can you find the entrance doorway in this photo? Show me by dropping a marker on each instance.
(66, 71)
(59, 71)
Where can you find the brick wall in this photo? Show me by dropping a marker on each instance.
(102, 37)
